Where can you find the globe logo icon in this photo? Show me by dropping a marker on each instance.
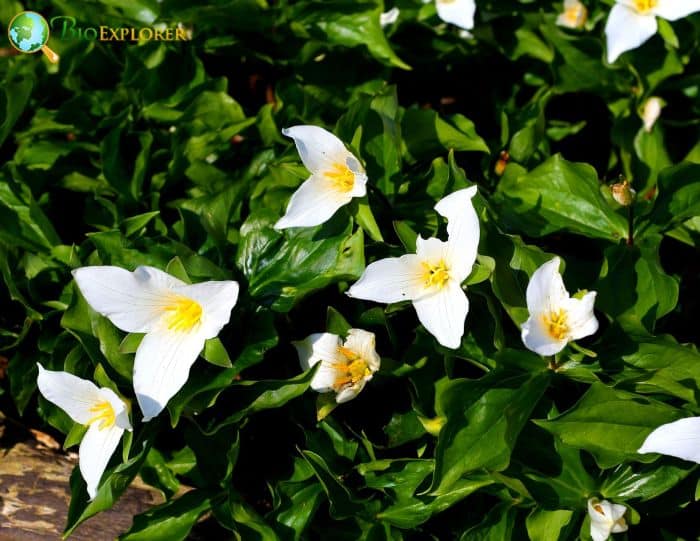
(29, 32)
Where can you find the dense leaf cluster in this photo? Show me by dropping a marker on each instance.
(171, 155)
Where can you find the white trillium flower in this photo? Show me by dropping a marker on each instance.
(336, 177)
(680, 439)
(389, 17)
(432, 277)
(345, 367)
(651, 111)
(176, 317)
(555, 317)
(100, 409)
(574, 15)
(632, 22)
(457, 12)
(606, 518)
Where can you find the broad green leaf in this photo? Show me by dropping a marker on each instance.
(559, 195)
(484, 418)
(171, 521)
(610, 424)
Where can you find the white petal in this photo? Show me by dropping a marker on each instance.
(680, 439)
(443, 314)
(672, 10)
(626, 30)
(161, 367)
(364, 343)
(389, 17)
(318, 148)
(348, 393)
(545, 291)
(133, 301)
(580, 317)
(314, 202)
(323, 348)
(393, 279)
(457, 12)
(537, 339)
(651, 112)
(217, 299)
(72, 394)
(431, 250)
(462, 231)
(95, 451)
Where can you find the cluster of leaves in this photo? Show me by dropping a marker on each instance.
(170, 154)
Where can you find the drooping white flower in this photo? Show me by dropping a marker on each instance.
(680, 439)
(651, 111)
(574, 15)
(606, 518)
(432, 277)
(632, 22)
(176, 317)
(336, 177)
(555, 317)
(457, 12)
(100, 409)
(389, 17)
(345, 367)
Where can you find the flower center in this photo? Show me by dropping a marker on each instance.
(645, 6)
(341, 177)
(103, 414)
(183, 315)
(575, 15)
(352, 371)
(435, 275)
(556, 325)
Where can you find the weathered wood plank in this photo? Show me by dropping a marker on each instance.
(35, 493)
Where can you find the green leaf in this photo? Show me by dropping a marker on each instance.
(543, 525)
(215, 353)
(481, 430)
(171, 521)
(610, 424)
(679, 197)
(559, 195)
(282, 268)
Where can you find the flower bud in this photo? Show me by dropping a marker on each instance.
(651, 111)
(502, 162)
(623, 193)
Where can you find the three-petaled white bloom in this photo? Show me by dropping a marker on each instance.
(606, 518)
(555, 317)
(336, 177)
(176, 317)
(100, 409)
(574, 15)
(651, 111)
(457, 12)
(432, 277)
(680, 439)
(632, 22)
(345, 367)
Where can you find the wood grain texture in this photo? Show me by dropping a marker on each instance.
(35, 492)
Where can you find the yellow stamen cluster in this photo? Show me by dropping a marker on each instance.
(352, 371)
(435, 275)
(183, 315)
(556, 324)
(341, 177)
(645, 6)
(103, 414)
(576, 15)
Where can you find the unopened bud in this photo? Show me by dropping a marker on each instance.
(623, 193)
(502, 162)
(651, 111)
